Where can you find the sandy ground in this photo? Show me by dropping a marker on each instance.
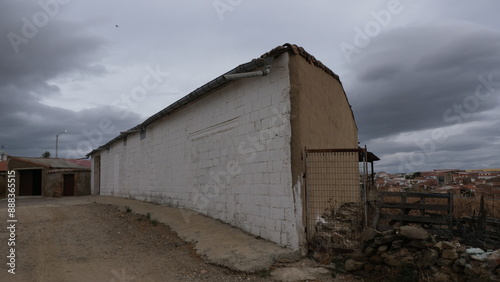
(97, 242)
(95, 238)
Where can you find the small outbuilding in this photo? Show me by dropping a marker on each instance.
(50, 177)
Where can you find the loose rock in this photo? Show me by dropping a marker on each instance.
(412, 246)
(413, 232)
(352, 265)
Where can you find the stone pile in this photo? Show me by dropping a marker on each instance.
(413, 247)
(337, 229)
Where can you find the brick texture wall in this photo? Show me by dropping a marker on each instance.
(226, 155)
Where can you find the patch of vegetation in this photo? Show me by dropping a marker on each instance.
(148, 216)
(128, 209)
(154, 222)
(264, 273)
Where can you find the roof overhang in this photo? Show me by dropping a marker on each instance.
(207, 88)
(259, 66)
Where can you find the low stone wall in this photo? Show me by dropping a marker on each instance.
(413, 247)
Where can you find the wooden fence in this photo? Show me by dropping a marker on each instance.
(482, 224)
(411, 207)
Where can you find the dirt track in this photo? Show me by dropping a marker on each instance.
(96, 242)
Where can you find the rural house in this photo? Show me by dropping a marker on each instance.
(243, 148)
(50, 177)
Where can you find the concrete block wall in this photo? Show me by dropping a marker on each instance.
(226, 155)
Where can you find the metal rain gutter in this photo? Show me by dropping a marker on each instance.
(241, 71)
(263, 72)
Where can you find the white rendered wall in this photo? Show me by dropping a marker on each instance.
(226, 155)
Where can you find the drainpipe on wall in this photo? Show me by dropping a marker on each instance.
(263, 72)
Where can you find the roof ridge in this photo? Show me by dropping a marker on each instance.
(48, 162)
(298, 50)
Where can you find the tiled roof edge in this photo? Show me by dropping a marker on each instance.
(28, 161)
(69, 170)
(297, 50)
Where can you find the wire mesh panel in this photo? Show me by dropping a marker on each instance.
(332, 179)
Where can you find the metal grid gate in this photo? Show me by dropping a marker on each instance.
(333, 177)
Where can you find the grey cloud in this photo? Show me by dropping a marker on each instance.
(420, 86)
(33, 131)
(59, 48)
(55, 48)
(477, 145)
(380, 72)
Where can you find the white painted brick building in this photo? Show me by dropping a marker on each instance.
(232, 148)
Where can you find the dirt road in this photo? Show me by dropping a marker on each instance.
(96, 242)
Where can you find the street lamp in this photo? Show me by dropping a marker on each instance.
(57, 138)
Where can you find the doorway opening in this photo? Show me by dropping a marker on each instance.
(30, 182)
(68, 184)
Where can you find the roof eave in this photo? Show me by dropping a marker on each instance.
(220, 81)
(194, 95)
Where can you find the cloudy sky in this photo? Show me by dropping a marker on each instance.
(423, 78)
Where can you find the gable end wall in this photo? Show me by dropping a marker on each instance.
(321, 118)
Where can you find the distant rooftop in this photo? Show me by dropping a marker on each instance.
(55, 163)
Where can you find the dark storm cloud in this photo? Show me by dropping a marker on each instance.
(425, 77)
(470, 146)
(57, 48)
(33, 53)
(418, 81)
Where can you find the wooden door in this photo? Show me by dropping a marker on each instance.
(69, 185)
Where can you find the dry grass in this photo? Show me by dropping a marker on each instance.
(463, 206)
